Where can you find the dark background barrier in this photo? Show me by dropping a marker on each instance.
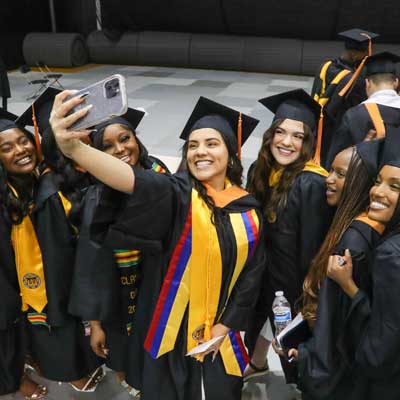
(263, 29)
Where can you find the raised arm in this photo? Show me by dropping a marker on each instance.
(106, 168)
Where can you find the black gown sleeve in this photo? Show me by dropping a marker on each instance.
(315, 217)
(95, 284)
(324, 358)
(341, 139)
(376, 325)
(140, 220)
(10, 304)
(300, 230)
(244, 294)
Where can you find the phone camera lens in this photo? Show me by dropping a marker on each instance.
(112, 88)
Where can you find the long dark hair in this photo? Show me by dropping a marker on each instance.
(15, 209)
(353, 201)
(234, 173)
(275, 198)
(70, 180)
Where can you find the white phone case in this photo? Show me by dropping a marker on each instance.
(104, 107)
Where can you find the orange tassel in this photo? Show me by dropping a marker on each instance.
(37, 137)
(317, 156)
(359, 68)
(239, 136)
(369, 43)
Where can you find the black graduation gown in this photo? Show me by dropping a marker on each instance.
(375, 324)
(152, 220)
(12, 343)
(355, 125)
(61, 350)
(99, 291)
(291, 243)
(325, 369)
(337, 105)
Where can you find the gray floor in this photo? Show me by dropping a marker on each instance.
(168, 95)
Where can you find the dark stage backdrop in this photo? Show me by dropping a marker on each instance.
(302, 19)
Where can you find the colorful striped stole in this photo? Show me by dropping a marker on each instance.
(127, 258)
(194, 278)
(158, 168)
(36, 318)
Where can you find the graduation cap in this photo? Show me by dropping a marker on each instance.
(210, 114)
(130, 119)
(371, 155)
(38, 114)
(381, 63)
(358, 39)
(7, 120)
(41, 107)
(295, 104)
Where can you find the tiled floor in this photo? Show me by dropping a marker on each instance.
(169, 95)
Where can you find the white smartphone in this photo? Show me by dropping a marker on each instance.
(108, 99)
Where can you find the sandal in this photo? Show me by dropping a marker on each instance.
(131, 390)
(91, 385)
(39, 393)
(256, 371)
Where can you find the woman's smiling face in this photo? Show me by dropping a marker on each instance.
(17, 152)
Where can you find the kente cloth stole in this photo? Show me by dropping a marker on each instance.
(194, 278)
(29, 265)
(127, 258)
(158, 168)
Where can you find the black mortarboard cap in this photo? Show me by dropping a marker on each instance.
(381, 63)
(295, 104)
(357, 39)
(7, 120)
(131, 119)
(43, 105)
(371, 155)
(209, 114)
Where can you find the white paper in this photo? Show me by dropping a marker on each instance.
(201, 348)
(297, 321)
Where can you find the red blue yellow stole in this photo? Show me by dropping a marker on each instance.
(194, 279)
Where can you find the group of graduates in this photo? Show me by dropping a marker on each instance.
(108, 258)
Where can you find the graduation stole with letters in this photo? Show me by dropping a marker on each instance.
(194, 279)
(29, 265)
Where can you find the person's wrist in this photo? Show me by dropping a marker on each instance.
(95, 324)
(350, 288)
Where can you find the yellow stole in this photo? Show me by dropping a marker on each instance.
(29, 261)
(29, 264)
(275, 175)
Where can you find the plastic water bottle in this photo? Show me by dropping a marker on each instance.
(282, 313)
